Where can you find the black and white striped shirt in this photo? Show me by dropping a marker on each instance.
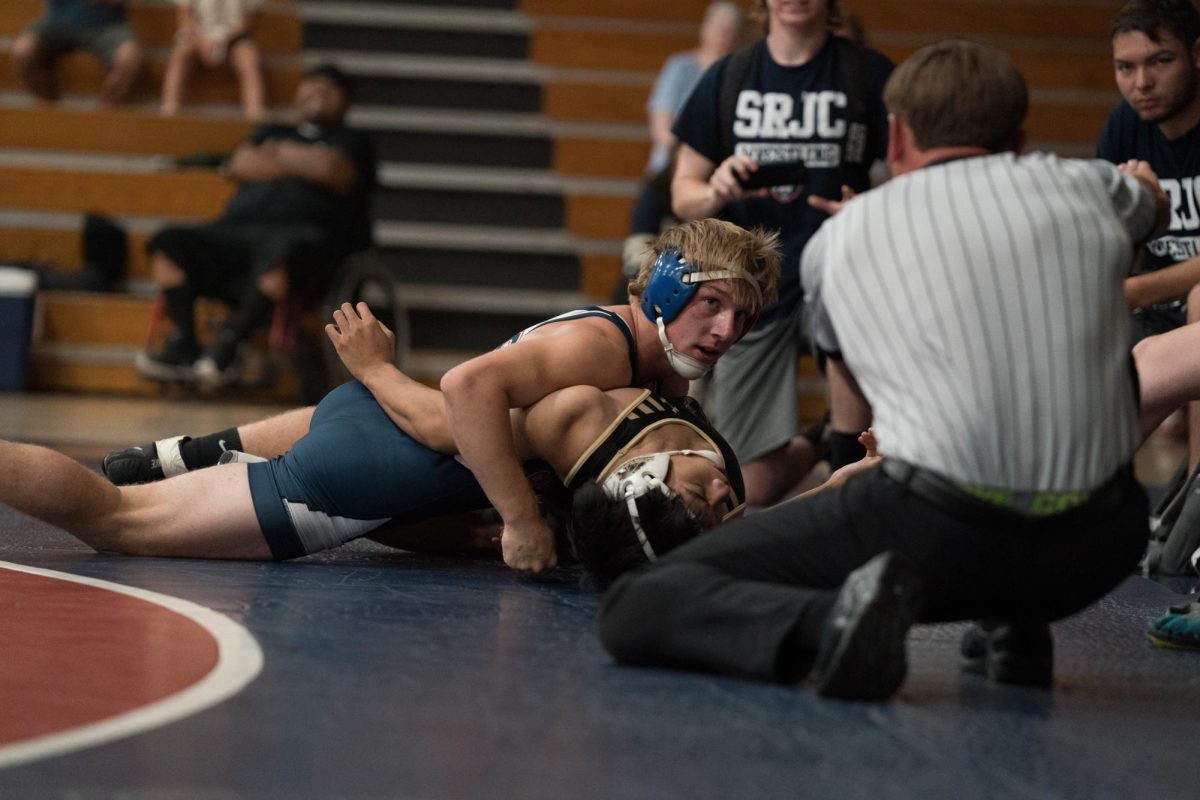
(978, 302)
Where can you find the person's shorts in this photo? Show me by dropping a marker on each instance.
(219, 258)
(1153, 320)
(752, 394)
(352, 472)
(103, 41)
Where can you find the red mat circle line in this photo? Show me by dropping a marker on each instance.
(239, 661)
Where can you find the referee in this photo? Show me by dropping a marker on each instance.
(977, 300)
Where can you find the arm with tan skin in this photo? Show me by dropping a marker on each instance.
(832, 207)
(1163, 285)
(701, 188)
(839, 478)
(478, 396)
(368, 349)
(325, 166)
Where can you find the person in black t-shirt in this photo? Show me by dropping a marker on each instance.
(804, 99)
(1156, 61)
(300, 208)
(1156, 58)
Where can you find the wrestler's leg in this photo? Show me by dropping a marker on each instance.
(176, 455)
(206, 514)
(1168, 373)
(276, 435)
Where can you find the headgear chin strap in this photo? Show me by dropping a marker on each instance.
(646, 473)
(671, 285)
(686, 366)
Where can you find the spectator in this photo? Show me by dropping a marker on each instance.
(720, 31)
(212, 33)
(1156, 56)
(1005, 491)
(300, 208)
(805, 100)
(98, 26)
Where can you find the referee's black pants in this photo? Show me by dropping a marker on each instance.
(750, 598)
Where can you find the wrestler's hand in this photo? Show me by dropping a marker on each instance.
(528, 546)
(362, 342)
(832, 207)
(870, 460)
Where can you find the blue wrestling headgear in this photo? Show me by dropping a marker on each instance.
(671, 285)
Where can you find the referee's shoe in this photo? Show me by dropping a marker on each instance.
(862, 653)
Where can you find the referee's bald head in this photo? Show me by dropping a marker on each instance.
(958, 93)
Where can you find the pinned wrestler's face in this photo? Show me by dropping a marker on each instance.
(701, 485)
(709, 324)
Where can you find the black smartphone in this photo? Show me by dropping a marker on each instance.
(786, 173)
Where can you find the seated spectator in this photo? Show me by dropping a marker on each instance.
(212, 33)
(299, 210)
(98, 26)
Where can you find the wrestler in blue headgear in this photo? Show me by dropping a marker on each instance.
(675, 277)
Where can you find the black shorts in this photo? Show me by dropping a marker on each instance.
(1153, 320)
(221, 258)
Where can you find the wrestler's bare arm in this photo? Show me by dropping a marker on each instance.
(478, 396)
(368, 349)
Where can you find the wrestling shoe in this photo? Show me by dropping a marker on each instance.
(145, 463)
(1022, 655)
(1179, 628)
(862, 654)
(172, 363)
(218, 366)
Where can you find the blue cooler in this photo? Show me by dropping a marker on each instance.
(17, 288)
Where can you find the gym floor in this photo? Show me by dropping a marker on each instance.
(374, 673)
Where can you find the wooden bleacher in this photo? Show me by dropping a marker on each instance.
(597, 61)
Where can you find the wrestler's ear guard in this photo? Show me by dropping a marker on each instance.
(667, 291)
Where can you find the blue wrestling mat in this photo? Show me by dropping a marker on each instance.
(388, 675)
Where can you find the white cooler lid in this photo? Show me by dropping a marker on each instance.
(13, 281)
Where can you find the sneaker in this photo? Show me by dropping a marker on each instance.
(143, 464)
(218, 366)
(1178, 629)
(172, 363)
(862, 654)
(1022, 655)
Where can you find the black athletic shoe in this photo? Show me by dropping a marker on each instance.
(862, 654)
(1018, 654)
(172, 363)
(133, 465)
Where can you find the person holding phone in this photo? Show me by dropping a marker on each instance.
(768, 133)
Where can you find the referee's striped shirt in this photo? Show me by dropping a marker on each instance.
(978, 302)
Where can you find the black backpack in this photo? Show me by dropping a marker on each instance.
(1175, 540)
